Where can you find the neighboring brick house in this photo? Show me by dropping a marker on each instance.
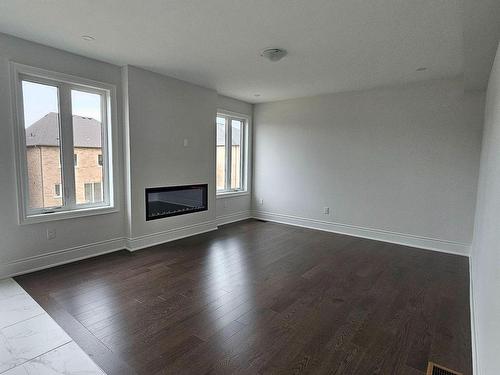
(43, 161)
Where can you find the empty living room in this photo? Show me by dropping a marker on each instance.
(250, 187)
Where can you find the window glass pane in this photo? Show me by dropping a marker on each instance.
(87, 143)
(87, 192)
(97, 192)
(57, 190)
(221, 153)
(236, 153)
(43, 152)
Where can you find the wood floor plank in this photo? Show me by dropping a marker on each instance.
(258, 297)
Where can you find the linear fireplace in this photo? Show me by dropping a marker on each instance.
(175, 200)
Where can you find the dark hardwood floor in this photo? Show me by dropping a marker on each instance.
(256, 297)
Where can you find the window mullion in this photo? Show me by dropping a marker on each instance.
(229, 141)
(66, 131)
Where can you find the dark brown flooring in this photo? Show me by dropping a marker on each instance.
(256, 297)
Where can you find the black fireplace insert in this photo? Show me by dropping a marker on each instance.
(175, 200)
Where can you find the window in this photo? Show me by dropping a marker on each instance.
(93, 192)
(57, 191)
(231, 157)
(63, 123)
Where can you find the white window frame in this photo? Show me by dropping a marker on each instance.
(244, 159)
(65, 83)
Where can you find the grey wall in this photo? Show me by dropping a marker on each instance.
(233, 207)
(158, 113)
(403, 160)
(24, 247)
(162, 112)
(486, 244)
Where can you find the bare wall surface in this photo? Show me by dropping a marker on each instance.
(23, 247)
(159, 113)
(162, 113)
(486, 244)
(403, 160)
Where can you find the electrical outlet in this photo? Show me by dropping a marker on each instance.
(51, 234)
(261, 201)
(186, 142)
(326, 210)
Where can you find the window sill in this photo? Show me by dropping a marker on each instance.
(230, 194)
(63, 215)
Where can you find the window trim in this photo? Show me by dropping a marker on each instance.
(244, 159)
(109, 110)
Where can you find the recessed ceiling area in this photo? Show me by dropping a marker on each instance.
(332, 46)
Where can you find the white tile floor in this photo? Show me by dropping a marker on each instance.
(32, 343)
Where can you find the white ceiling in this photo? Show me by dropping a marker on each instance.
(333, 45)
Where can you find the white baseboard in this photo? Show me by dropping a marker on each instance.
(234, 217)
(475, 360)
(76, 253)
(444, 246)
(141, 242)
(56, 258)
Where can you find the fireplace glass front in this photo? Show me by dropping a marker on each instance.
(175, 200)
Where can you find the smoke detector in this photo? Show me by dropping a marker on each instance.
(273, 54)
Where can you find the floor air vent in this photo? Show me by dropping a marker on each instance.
(434, 369)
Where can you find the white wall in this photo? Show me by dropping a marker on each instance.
(159, 113)
(233, 208)
(399, 163)
(162, 112)
(486, 244)
(25, 247)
